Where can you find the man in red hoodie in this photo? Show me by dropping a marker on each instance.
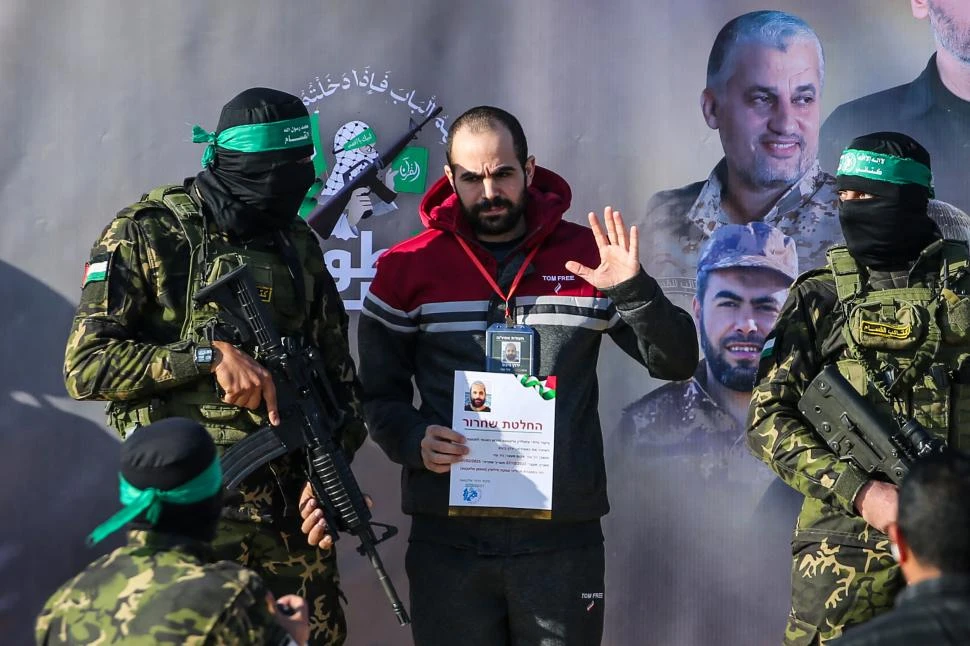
(497, 249)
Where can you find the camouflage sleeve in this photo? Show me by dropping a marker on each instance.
(250, 619)
(47, 623)
(777, 434)
(104, 358)
(329, 331)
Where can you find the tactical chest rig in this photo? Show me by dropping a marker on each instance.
(908, 348)
(277, 265)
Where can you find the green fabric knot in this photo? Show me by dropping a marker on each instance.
(256, 137)
(135, 500)
(201, 136)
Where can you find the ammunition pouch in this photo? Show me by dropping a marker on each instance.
(282, 283)
(226, 423)
(908, 348)
(888, 324)
(953, 317)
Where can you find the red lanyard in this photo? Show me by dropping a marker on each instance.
(491, 281)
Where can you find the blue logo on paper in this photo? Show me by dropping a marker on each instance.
(471, 493)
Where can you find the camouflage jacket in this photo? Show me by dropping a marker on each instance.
(681, 221)
(806, 337)
(681, 423)
(126, 343)
(161, 589)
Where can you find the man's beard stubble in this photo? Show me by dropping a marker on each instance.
(949, 34)
(739, 378)
(493, 225)
(763, 175)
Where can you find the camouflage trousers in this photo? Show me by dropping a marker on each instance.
(834, 586)
(289, 566)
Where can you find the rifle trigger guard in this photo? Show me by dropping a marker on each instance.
(389, 532)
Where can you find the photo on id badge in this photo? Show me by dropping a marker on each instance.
(509, 348)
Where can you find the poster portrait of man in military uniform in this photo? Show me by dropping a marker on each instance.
(691, 487)
(763, 97)
(743, 276)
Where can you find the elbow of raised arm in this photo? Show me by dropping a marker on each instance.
(83, 374)
(682, 356)
(76, 386)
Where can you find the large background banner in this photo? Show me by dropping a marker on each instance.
(97, 105)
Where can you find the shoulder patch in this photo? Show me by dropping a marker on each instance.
(819, 272)
(96, 269)
(768, 349)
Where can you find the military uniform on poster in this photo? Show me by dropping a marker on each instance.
(682, 220)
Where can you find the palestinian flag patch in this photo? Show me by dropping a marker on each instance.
(96, 270)
(768, 349)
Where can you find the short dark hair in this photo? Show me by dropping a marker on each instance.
(934, 511)
(486, 117)
(775, 29)
(702, 279)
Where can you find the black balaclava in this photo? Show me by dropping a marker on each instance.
(253, 193)
(890, 230)
(166, 455)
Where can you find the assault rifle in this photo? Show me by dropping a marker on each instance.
(857, 431)
(309, 419)
(324, 218)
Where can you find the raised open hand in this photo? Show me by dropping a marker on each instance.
(619, 252)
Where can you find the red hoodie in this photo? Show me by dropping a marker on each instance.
(425, 317)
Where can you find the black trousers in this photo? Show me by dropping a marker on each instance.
(550, 598)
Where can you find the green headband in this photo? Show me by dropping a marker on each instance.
(885, 168)
(366, 138)
(256, 137)
(135, 500)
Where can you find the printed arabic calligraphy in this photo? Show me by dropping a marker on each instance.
(367, 81)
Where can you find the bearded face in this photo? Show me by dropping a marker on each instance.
(733, 360)
(490, 181)
(739, 308)
(476, 396)
(767, 113)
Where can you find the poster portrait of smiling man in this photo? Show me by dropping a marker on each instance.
(743, 277)
(691, 487)
(763, 97)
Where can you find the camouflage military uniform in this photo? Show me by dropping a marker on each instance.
(681, 425)
(127, 345)
(842, 571)
(159, 589)
(681, 221)
(689, 490)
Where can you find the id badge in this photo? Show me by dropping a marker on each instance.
(510, 348)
